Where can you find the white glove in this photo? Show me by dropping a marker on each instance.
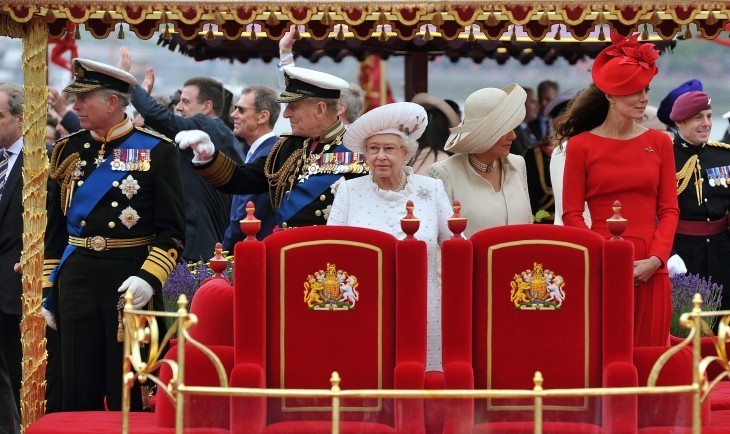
(203, 147)
(141, 291)
(676, 266)
(50, 319)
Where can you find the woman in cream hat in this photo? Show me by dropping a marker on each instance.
(490, 183)
(611, 157)
(387, 136)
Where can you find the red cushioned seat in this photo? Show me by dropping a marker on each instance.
(296, 323)
(529, 298)
(720, 396)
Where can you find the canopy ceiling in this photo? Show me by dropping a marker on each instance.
(366, 20)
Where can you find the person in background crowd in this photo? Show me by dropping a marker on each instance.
(665, 106)
(11, 245)
(352, 99)
(441, 117)
(525, 138)
(490, 183)
(726, 137)
(702, 241)
(606, 143)
(301, 169)
(387, 135)
(547, 90)
(254, 117)
(115, 224)
(206, 210)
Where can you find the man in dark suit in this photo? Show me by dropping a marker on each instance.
(11, 244)
(525, 138)
(254, 117)
(201, 102)
(547, 90)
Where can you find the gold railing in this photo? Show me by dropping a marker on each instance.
(141, 329)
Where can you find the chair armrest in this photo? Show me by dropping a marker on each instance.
(620, 412)
(248, 415)
(409, 414)
(458, 413)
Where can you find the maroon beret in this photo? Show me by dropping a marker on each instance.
(689, 104)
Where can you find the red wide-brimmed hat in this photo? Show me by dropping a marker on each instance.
(625, 67)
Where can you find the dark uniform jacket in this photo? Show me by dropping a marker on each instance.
(539, 183)
(298, 179)
(206, 210)
(154, 209)
(705, 255)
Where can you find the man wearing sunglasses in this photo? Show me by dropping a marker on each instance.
(200, 105)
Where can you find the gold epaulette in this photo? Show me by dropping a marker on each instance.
(718, 144)
(69, 136)
(286, 134)
(154, 134)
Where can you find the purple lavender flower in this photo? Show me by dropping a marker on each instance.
(684, 288)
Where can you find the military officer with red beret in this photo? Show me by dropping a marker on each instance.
(702, 240)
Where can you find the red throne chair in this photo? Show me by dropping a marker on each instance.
(212, 305)
(554, 299)
(310, 301)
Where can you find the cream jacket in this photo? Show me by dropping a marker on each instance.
(480, 204)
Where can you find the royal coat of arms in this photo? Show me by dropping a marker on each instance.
(332, 289)
(537, 289)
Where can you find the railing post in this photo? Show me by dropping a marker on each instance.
(537, 379)
(335, 380)
(696, 356)
(182, 304)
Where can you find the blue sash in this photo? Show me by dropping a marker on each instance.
(307, 192)
(95, 187)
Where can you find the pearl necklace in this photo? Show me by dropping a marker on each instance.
(481, 166)
(401, 185)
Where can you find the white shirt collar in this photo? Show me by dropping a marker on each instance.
(255, 145)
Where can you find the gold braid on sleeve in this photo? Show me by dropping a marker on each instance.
(279, 179)
(63, 172)
(691, 167)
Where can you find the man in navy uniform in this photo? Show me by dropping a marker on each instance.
(302, 168)
(702, 240)
(115, 224)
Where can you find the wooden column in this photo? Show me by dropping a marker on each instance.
(416, 74)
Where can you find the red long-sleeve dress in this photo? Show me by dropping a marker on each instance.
(640, 173)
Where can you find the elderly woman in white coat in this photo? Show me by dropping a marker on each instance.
(490, 183)
(387, 137)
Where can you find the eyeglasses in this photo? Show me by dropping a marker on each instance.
(387, 149)
(242, 110)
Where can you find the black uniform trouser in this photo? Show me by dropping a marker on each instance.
(12, 351)
(9, 413)
(90, 353)
(707, 256)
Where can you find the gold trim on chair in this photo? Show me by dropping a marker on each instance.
(490, 301)
(282, 322)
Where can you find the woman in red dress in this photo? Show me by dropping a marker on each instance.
(611, 157)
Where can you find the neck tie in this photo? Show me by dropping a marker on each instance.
(3, 170)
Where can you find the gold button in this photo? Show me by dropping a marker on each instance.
(323, 197)
(318, 213)
(83, 163)
(115, 204)
(284, 225)
(87, 145)
(115, 184)
(80, 183)
(83, 222)
(112, 224)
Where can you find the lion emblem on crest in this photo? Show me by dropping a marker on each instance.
(537, 289)
(332, 289)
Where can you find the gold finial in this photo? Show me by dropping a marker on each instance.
(182, 302)
(538, 380)
(335, 380)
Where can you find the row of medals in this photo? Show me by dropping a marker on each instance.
(718, 176)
